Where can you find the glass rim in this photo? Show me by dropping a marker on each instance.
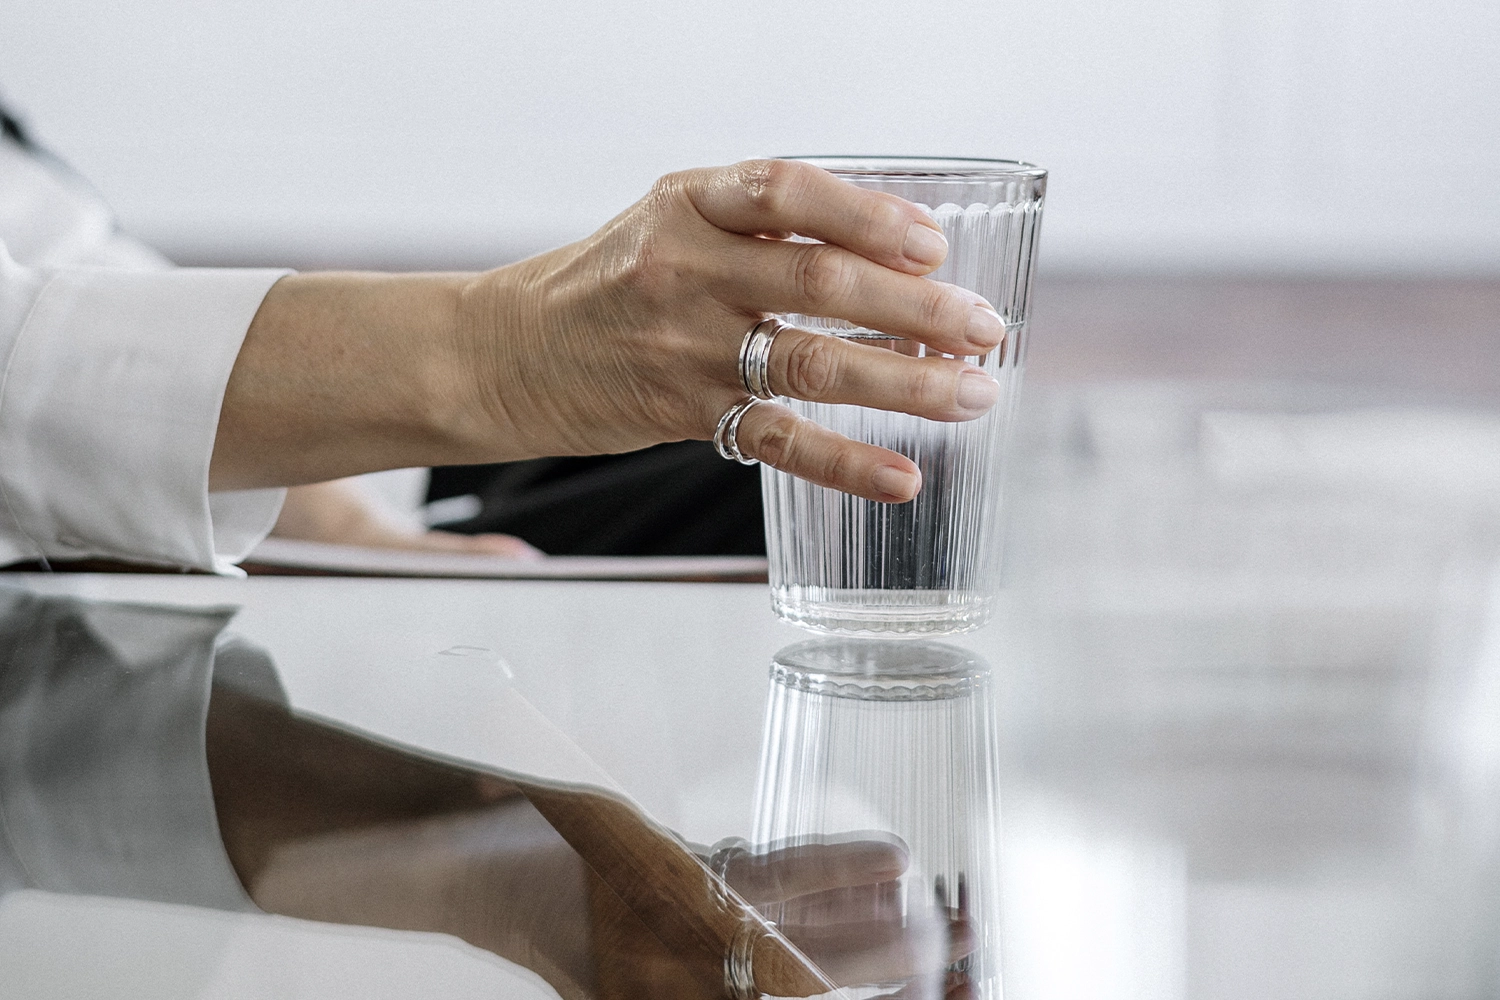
(968, 168)
(879, 669)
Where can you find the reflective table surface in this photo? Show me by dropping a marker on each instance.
(1246, 693)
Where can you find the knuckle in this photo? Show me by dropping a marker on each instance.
(836, 466)
(812, 367)
(821, 275)
(932, 386)
(669, 186)
(882, 221)
(641, 267)
(940, 310)
(652, 264)
(777, 443)
(672, 199)
(767, 184)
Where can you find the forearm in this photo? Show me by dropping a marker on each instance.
(343, 373)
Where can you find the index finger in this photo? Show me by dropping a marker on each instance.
(757, 197)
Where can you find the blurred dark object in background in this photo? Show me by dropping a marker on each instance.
(681, 499)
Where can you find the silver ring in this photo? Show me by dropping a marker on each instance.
(726, 435)
(739, 970)
(755, 357)
(726, 851)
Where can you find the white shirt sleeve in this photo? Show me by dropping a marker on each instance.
(109, 403)
(111, 379)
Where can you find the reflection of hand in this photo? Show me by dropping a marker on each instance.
(326, 825)
(839, 901)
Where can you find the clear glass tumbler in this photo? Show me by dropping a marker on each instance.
(868, 739)
(842, 564)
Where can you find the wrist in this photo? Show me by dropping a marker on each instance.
(347, 373)
(496, 418)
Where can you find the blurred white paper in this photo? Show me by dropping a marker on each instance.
(323, 558)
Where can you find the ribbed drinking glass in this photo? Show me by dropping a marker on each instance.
(839, 563)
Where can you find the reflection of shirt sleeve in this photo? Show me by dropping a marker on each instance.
(104, 784)
(110, 387)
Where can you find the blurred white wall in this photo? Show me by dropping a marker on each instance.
(1271, 135)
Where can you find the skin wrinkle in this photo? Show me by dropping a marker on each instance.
(821, 274)
(765, 186)
(880, 216)
(642, 270)
(778, 439)
(813, 367)
(937, 309)
(930, 375)
(838, 465)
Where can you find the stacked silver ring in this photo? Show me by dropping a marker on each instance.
(739, 955)
(726, 435)
(755, 357)
(726, 852)
(739, 968)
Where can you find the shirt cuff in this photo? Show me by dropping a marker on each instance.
(108, 412)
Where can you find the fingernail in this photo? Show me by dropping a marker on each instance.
(894, 482)
(986, 328)
(977, 392)
(924, 245)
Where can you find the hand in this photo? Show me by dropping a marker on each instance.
(339, 513)
(631, 336)
(623, 340)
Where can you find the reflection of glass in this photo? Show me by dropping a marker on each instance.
(900, 738)
(842, 564)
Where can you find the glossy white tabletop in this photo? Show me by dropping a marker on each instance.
(1203, 798)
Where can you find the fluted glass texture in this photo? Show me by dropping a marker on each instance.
(866, 739)
(839, 563)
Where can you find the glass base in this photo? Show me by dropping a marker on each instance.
(891, 614)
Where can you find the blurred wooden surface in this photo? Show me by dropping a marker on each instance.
(1418, 337)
